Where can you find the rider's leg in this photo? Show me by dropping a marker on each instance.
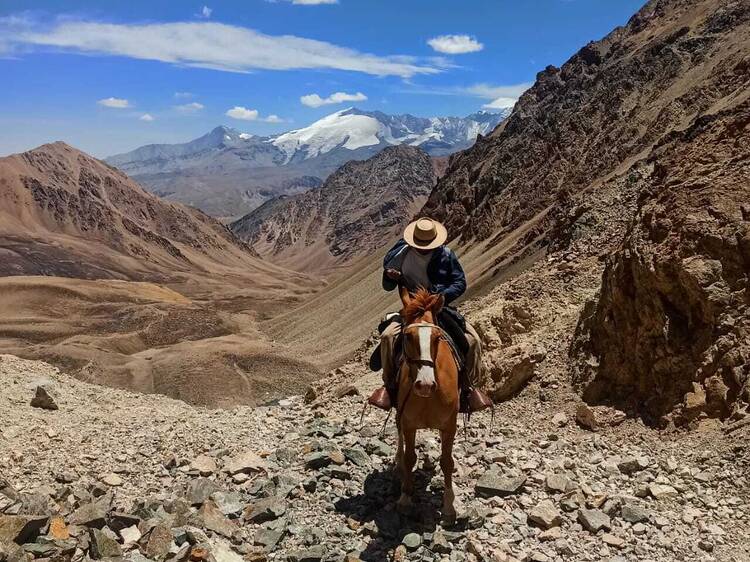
(384, 397)
(473, 357)
(387, 353)
(473, 399)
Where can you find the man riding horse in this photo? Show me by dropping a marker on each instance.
(422, 260)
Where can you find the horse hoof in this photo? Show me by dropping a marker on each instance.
(448, 519)
(404, 504)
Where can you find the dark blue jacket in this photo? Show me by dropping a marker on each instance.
(445, 273)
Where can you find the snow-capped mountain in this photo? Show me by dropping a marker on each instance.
(352, 129)
(227, 172)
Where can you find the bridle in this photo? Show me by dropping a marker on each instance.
(420, 362)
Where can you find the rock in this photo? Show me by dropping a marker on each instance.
(112, 480)
(661, 491)
(266, 509)
(593, 520)
(103, 545)
(199, 490)
(130, 535)
(20, 528)
(494, 484)
(89, 515)
(559, 483)
(586, 418)
(229, 503)
(310, 395)
(44, 397)
(317, 460)
(213, 520)
(439, 543)
(223, 553)
(631, 465)
(58, 530)
(357, 456)
(560, 419)
(268, 538)
(550, 534)
(633, 513)
(412, 541)
(639, 529)
(545, 515)
(204, 464)
(158, 542)
(314, 554)
(246, 462)
(613, 540)
(346, 390)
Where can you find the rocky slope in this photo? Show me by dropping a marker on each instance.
(228, 173)
(360, 208)
(65, 213)
(629, 162)
(298, 481)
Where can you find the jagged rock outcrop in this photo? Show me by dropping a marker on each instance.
(670, 332)
(361, 207)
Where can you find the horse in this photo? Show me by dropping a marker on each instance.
(428, 395)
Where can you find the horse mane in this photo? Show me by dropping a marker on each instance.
(421, 302)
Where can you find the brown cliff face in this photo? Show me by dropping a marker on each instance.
(671, 328)
(360, 208)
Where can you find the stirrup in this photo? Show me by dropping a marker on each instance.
(474, 400)
(381, 398)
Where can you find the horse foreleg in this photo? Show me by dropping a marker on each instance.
(446, 464)
(398, 462)
(408, 460)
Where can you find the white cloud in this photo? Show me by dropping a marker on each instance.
(183, 95)
(189, 107)
(500, 103)
(239, 112)
(115, 103)
(314, 100)
(146, 117)
(245, 114)
(488, 91)
(206, 12)
(209, 45)
(455, 44)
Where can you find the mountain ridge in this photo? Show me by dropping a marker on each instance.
(228, 173)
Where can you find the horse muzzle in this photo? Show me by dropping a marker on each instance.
(425, 385)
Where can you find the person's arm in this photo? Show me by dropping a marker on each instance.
(391, 275)
(457, 285)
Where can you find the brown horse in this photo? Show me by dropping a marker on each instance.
(427, 393)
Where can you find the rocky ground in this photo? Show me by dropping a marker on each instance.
(111, 474)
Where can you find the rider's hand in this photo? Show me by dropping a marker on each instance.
(394, 274)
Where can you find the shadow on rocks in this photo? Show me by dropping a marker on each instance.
(375, 508)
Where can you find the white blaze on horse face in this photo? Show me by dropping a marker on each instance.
(425, 374)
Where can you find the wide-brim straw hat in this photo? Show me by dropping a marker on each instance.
(425, 234)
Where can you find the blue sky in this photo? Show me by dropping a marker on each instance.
(107, 77)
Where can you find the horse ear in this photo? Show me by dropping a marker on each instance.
(438, 303)
(405, 296)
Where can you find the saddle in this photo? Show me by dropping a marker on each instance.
(453, 325)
